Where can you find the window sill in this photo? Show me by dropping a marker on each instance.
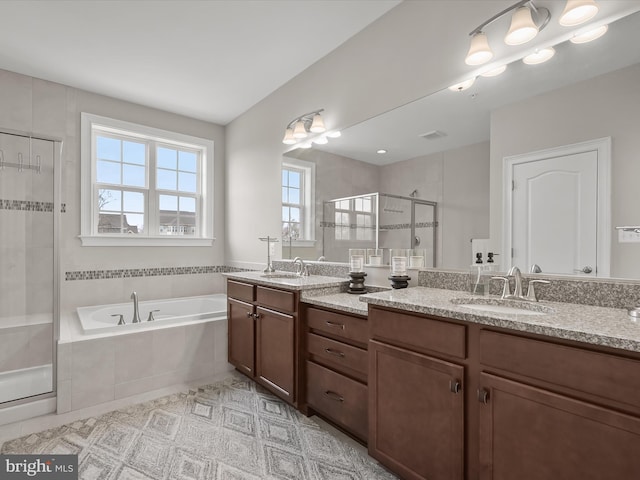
(129, 241)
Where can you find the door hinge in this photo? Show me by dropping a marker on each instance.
(513, 185)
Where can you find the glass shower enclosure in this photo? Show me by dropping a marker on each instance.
(379, 221)
(29, 211)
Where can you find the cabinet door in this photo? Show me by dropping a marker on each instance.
(528, 433)
(416, 413)
(275, 350)
(241, 336)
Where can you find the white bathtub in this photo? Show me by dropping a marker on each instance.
(100, 319)
(26, 382)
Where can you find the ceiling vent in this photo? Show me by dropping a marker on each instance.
(433, 135)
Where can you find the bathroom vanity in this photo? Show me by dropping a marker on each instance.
(440, 386)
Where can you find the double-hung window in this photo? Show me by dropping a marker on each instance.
(144, 186)
(298, 202)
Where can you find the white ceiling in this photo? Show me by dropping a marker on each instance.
(206, 59)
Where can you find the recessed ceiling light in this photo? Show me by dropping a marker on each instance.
(589, 35)
(539, 56)
(458, 87)
(494, 72)
(382, 151)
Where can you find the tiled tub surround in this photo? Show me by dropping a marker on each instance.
(95, 368)
(609, 327)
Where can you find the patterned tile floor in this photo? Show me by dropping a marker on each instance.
(230, 430)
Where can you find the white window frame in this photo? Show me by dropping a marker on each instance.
(308, 226)
(89, 208)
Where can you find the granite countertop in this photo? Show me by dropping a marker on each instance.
(346, 302)
(610, 327)
(288, 280)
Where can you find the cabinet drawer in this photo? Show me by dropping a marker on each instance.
(419, 333)
(339, 398)
(352, 361)
(600, 374)
(338, 325)
(240, 291)
(276, 299)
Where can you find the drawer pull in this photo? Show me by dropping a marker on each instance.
(333, 324)
(334, 396)
(249, 315)
(256, 316)
(483, 396)
(336, 353)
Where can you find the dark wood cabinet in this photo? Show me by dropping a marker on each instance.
(241, 337)
(530, 434)
(416, 413)
(275, 350)
(264, 337)
(337, 369)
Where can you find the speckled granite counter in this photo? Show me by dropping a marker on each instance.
(342, 301)
(608, 327)
(288, 281)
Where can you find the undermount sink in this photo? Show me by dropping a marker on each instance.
(513, 307)
(280, 275)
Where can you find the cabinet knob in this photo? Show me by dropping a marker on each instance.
(455, 386)
(336, 353)
(483, 396)
(256, 316)
(334, 396)
(249, 315)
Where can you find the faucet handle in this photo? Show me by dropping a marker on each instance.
(150, 317)
(531, 292)
(121, 320)
(505, 288)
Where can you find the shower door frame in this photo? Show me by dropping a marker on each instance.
(58, 144)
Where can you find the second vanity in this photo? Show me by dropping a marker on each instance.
(451, 391)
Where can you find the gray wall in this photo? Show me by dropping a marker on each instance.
(600, 107)
(34, 105)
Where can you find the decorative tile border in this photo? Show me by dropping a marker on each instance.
(147, 272)
(30, 206)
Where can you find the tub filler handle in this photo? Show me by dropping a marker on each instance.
(121, 320)
(150, 317)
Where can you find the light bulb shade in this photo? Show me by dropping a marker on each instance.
(458, 87)
(539, 56)
(479, 50)
(321, 140)
(288, 137)
(590, 35)
(299, 131)
(578, 11)
(317, 124)
(522, 29)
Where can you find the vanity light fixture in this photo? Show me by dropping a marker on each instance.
(458, 87)
(381, 151)
(301, 127)
(527, 20)
(539, 56)
(577, 12)
(589, 35)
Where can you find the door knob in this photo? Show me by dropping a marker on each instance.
(586, 269)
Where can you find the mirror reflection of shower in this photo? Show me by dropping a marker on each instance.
(379, 221)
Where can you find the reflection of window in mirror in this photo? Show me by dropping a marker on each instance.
(354, 212)
(298, 208)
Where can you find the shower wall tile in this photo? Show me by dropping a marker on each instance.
(24, 347)
(15, 98)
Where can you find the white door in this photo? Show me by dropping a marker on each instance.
(557, 209)
(555, 214)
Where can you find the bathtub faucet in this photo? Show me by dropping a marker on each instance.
(136, 313)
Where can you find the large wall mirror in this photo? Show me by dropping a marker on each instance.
(449, 148)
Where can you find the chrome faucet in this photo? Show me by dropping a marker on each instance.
(517, 289)
(302, 270)
(136, 312)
